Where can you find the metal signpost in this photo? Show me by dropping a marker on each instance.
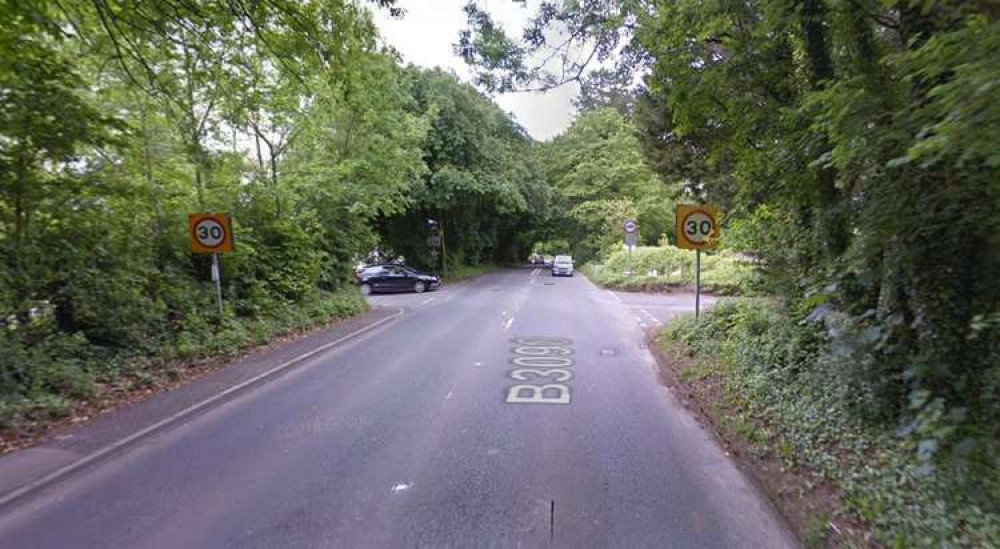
(697, 229)
(435, 241)
(631, 236)
(212, 233)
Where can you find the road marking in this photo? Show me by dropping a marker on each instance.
(614, 295)
(98, 454)
(449, 395)
(507, 325)
(538, 358)
(401, 487)
(426, 301)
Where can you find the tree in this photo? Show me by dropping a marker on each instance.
(599, 169)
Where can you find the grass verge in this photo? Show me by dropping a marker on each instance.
(53, 379)
(775, 399)
(664, 269)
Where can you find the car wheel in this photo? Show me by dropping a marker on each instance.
(366, 289)
(419, 287)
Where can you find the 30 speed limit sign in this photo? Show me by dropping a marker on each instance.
(697, 227)
(210, 233)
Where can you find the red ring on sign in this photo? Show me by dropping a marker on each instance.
(715, 226)
(194, 231)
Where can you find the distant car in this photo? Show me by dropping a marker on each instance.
(396, 278)
(562, 266)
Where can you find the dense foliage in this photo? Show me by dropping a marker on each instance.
(802, 396)
(601, 179)
(853, 145)
(665, 268)
(118, 119)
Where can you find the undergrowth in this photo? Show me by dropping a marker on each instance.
(788, 378)
(666, 267)
(45, 373)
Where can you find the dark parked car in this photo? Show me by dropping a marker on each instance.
(396, 278)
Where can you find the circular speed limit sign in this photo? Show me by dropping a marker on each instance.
(210, 233)
(697, 227)
(630, 226)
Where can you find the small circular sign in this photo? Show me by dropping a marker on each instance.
(698, 227)
(209, 233)
(630, 226)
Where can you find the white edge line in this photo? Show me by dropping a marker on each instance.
(507, 324)
(94, 456)
(614, 295)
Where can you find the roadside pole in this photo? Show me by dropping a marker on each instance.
(444, 251)
(212, 233)
(217, 279)
(697, 229)
(697, 283)
(631, 239)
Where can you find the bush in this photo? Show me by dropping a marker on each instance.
(45, 373)
(673, 267)
(790, 375)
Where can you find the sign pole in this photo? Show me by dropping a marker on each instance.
(444, 250)
(697, 283)
(217, 279)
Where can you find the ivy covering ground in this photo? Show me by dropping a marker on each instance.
(811, 401)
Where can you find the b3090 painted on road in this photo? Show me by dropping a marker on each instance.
(542, 365)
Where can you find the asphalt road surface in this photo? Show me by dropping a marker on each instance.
(515, 410)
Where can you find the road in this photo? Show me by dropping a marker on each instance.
(417, 435)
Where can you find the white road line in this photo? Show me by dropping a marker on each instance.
(506, 325)
(614, 295)
(449, 395)
(121, 443)
(426, 301)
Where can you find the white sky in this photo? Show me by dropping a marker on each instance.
(426, 34)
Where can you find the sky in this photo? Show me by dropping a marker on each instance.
(426, 34)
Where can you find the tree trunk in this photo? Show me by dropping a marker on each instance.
(814, 14)
(274, 183)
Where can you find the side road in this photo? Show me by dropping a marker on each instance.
(34, 468)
